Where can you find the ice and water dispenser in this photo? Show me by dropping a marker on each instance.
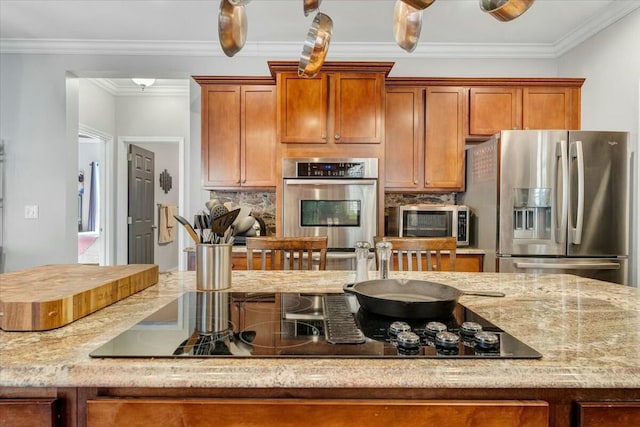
(532, 213)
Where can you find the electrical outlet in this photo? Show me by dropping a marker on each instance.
(30, 211)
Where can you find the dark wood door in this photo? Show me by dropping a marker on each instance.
(141, 205)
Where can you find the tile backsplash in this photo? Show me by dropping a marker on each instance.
(262, 203)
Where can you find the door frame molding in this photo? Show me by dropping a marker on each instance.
(122, 191)
(107, 210)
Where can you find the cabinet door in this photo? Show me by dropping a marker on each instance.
(221, 136)
(404, 137)
(608, 414)
(358, 116)
(444, 139)
(258, 137)
(28, 412)
(302, 108)
(492, 109)
(314, 413)
(549, 108)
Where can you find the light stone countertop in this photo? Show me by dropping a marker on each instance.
(588, 332)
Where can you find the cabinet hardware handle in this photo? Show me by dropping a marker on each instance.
(415, 181)
(337, 136)
(238, 182)
(323, 136)
(244, 180)
(428, 182)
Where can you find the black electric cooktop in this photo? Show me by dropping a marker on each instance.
(270, 325)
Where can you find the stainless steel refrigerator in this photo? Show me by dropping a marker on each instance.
(552, 201)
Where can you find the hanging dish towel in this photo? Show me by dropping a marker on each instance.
(166, 228)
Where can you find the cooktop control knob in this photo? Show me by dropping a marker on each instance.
(447, 343)
(408, 342)
(487, 342)
(396, 327)
(468, 330)
(432, 329)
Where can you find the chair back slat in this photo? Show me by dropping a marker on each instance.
(288, 253)
(415, 249)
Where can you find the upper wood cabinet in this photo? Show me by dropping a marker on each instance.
(444, 139)
(331, 107)
(424, 148)
(238, 135)
(496, 108)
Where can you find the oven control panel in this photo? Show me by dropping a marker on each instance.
(330, 170)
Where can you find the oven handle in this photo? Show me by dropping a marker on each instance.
(338, 181)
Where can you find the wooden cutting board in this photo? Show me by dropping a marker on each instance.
(50, 296)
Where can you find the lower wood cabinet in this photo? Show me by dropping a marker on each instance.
(608, 414)
(132, 412)
(29, 412)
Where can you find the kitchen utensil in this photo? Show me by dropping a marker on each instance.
(407, 23)
(239, 2)
(188, 227)
(220, 224)
(505, 10)
(218, 210)
(409, 299)
(232, 27)
(419, 4)
(244, 225)
(310, 6)
(315, 46)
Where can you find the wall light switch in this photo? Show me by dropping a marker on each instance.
(30, 211)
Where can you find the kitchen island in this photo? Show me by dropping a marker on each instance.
(587, 331)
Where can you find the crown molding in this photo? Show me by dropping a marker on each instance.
(615, 12)
(291, 50)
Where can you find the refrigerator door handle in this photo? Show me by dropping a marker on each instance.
(563, 159)
(576, 233)
(569, 266)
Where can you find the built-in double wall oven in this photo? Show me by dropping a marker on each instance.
(331, 197)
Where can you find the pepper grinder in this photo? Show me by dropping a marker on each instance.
(383, 250)
(362, 260)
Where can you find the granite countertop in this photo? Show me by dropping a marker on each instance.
(588, 332)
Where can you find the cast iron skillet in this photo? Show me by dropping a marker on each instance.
(409, 299)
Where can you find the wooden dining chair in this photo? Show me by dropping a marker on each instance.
(423, 252)
(288, 253)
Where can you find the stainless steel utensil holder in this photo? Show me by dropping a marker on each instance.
(213, 266)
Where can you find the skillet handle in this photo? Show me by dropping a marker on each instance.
(495, 294)
(348, 288)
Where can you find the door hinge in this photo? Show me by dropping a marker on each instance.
(129, 220)
(129, 157)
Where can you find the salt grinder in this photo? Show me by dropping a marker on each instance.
(362, 259)
(383, 250)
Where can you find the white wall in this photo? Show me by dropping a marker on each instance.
(610, 62)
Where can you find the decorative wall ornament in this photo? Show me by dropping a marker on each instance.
(165, 181)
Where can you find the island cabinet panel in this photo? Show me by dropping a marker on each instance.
(238, 136)
(339, 107)
(608, 414)
(424, 139)
(29, 412)
(108, 412)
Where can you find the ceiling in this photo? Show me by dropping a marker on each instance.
(277, 28)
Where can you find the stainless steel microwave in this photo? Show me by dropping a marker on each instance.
(429, 221)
